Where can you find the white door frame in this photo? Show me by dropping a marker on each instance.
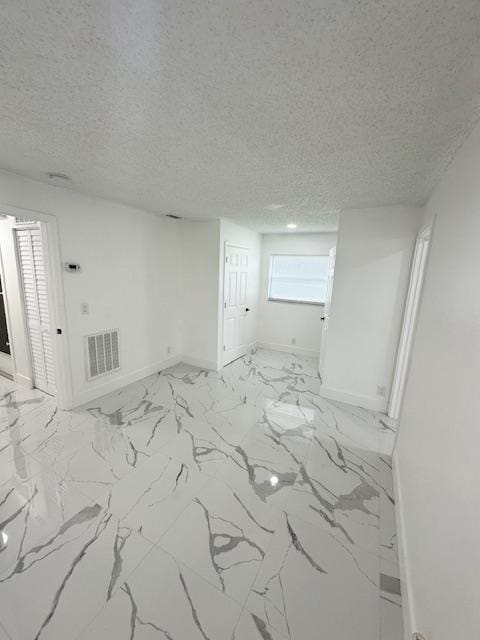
(234, 246)
(56, 299)
(332, 254)
(412, 302)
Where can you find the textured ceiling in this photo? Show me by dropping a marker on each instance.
(218, 108)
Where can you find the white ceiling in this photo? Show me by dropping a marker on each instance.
(225, 108)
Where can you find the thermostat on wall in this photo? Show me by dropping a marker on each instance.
(72, 267)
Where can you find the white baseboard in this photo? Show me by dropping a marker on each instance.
(248, 349)
(24, 381)
(211, 365)
(288, 348)
(113, 384)
(367, 402)
(408, 613)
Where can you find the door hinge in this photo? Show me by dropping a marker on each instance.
(226, 258)
(224, 305)
(224, 348)
(59, 331)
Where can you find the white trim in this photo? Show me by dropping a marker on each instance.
(211, 365)
(408, 610)
(410, 315)
(367, 402)
(118, 382)
(288, 348)
(24, 381)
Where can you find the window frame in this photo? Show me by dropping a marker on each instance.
(291, 255)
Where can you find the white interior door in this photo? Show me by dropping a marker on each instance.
(326, 310)
(409, 319)
(34, 283)
(235, 303)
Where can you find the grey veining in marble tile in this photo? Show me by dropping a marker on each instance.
(260, 472)
(151, 498)
(309, 580)
(388, 529)
(251, 488)
(46, 433)
(107, 457)
(337, 489)
(70, 574)
(229, 542)
(164, 599)
(32, 510)
(251, 627)
(200, 444)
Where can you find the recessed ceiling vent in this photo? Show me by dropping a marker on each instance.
(57, 177)
(170, 215)
(102, 353)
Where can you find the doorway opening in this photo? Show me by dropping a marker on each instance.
(409, 321)
(6, 368)
(30, 321)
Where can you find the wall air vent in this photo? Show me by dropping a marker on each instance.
(170, 215)
(102, 353)
(24, 221)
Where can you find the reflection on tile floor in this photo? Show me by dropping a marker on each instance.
(194, 504)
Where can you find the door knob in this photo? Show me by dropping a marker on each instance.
(247, 309)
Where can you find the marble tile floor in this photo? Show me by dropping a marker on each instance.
(236, 505)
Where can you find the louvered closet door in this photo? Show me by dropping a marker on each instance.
(32, 266)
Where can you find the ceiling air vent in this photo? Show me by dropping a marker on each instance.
(102, 353)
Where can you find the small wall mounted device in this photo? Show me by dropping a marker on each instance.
(72, 267)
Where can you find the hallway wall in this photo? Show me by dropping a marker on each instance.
(372, 269)
(436, 456)
(200, 246)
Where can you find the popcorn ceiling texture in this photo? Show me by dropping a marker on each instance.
(217, 108)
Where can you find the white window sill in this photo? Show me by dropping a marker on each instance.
(315, 304)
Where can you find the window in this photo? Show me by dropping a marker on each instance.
(298, 278)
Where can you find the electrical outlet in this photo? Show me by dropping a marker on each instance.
(294, 341)
(169, 350)
(84, 308)
(381, 390)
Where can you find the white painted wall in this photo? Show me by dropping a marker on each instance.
(130, 278)
(436, 457)
(200, 249)
(280, 322)
(251, 240)
(374, 252)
